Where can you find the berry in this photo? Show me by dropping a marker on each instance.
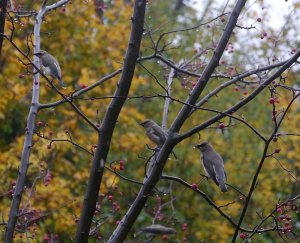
(272, 100)
(288, 217)
(221, 125)
(236, 89)
(243, 235)
(46, 237)
(110, 198)
(258, 19)
(194, 186)
(165, 237)
(277, 150)
(184, 227)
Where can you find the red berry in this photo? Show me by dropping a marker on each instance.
(221, 125)
(277, 150)
(236, 89)
(110, 198)
(46, 237)
(275, 139)
(184, 227)
(194, 186)
(121, 162)
(272, 100)
(279, 210)
(287, 229)
(165, 237)
(288, 217)
(21, 75)
(49, 146)
(243, 235)
(245, 93)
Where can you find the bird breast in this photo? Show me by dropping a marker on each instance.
(46, 70)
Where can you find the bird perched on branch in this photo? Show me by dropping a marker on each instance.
(50, 66)
(154, 132)
(213, 165)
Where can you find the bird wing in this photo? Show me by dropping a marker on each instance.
(209, 169)
(53, 65)
(219, 168)
(159, 133)
(58, 69)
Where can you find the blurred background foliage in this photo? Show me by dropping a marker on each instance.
(90, 42)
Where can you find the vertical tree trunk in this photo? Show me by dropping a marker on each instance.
(3, 4)
(109, 123)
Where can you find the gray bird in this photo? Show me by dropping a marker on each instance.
(50, 66)
(213, 165)
(156, 134)
(157, 229)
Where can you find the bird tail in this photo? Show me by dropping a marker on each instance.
(62, 84)
(223, 187)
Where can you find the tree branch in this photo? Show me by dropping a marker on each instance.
(109, 123)
(128, 220)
